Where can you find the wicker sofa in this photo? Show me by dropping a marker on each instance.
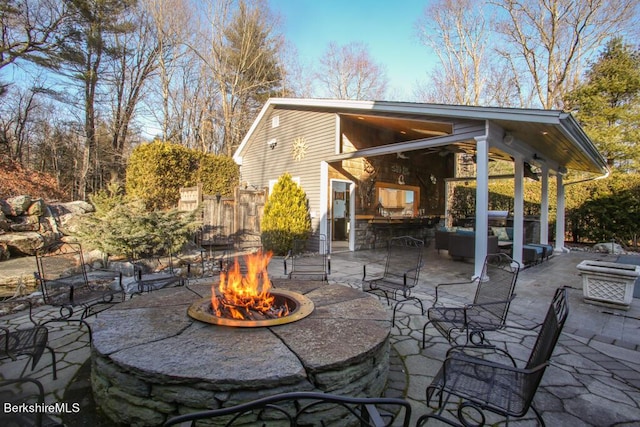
(463, 244)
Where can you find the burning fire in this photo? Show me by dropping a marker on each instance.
(246, 297)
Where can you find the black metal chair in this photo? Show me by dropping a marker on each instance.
(215, 248)
(150, 274)
(488, 312)
(24, 391)
(26, 341)
(68, 283)
(300, 263)
(397, 274)
(308, 409)
(477, 382)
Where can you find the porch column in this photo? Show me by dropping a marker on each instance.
(518, 208)
(482, 203)
(560, 211)
(544, 206)
(324, 203)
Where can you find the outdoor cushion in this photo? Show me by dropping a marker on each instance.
(463, 232)
(510, 233)
(501, 233)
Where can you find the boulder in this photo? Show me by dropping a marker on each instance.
(25, 223)
(5, 208)
(19, 205)
(608, 247)
(4, 222)
(24, 243)
(67, 214)
(37, 208)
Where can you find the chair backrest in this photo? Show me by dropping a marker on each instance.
(23, 391)
(307, 408)
(404, 260)
(309, 263)
(550, 330)
(497, 283)
(60, 261)
(545, 343)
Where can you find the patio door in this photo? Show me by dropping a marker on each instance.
(340, 214)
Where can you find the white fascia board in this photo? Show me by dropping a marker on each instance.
(237, 156)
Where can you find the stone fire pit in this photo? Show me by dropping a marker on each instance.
(151, 361)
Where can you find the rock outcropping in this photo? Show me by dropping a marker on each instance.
(28, 224)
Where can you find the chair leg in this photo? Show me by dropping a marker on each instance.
(424, 334)
(53, 363)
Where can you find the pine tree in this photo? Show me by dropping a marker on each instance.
(608, 105)
(286, 216)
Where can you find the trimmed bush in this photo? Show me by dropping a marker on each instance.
(156, 171)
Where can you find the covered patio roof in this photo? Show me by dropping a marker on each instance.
(537, 136)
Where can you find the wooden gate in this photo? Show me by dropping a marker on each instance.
(226, 219)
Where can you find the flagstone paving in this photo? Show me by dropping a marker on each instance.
(593, 378)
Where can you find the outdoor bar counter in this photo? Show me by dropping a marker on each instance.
(384, 228)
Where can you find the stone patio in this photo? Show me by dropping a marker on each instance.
(593, 380)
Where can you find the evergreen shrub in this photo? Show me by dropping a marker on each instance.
(123, 227)
(286, 216)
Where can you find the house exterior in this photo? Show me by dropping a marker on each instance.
(372, 170)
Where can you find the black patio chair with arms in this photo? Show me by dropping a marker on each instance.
(28, 341)
(77, 289)
(397, 274)
(480, 383)
(153, 273)
(309, 409)
(488, 312)
(299, 263)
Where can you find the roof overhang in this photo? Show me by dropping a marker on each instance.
(552, 135)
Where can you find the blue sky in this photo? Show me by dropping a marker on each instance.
(386, 27)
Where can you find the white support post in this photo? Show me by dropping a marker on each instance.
(518, 209)
(560, 212)
(324, 203)
(482, 203)
(544, 206)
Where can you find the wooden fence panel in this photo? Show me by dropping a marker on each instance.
(223, 218)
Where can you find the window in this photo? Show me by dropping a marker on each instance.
(396, 200)
(275, 121)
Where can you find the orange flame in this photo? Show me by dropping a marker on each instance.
(244, 293)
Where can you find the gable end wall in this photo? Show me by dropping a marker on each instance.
(260, 163)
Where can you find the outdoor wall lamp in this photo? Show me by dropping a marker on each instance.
(508, 138)
(272, 143)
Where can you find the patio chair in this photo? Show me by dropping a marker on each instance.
(28, 341)
(488, 312)
(301, 263)
(24, 391)
(397, 274)
(150, 274)
(307, 408)
(479, 382)
(77, 289)
(214, 249)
